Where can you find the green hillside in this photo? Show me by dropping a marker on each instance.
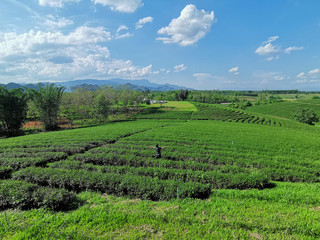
(216, 179)
(286, 109)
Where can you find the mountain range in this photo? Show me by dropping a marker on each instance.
(117, 83)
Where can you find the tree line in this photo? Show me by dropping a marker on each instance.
(14, 107)
(50, 102)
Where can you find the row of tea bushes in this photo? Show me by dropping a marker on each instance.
(22, 195)
(110, 183)
(216, 179)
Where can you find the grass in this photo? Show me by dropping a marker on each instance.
(290, 211)
(288, 157)
(175, 106)
(286, 109)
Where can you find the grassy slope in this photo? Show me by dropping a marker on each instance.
(288, 211)
(176, 106)
(286, 109)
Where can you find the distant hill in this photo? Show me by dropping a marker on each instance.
(117, 83)
(17, 85)
(139, 85)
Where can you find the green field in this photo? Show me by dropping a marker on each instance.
(222, 176)
(286, 109)
(176, 106)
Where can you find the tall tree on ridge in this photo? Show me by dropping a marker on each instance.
(47, 100)
(13, 111)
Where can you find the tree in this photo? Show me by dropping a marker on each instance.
(101, 105)
(13, 111)
(47, 101)
(306, 115)
(183, 94)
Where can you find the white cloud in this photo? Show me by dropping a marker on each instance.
(189, 27)
(180, 68)
(121, 29)
(143, 21)
(234, 70)
(301, 75)
(267, 49)
(43, 56)
(269, 78)
(55, 3)
(271, 52)
(271, 39)
(313, 76)
(128, 70)
(278, 78)
(202, 76)
(290, 49)
(314, 72)
(53, 22)
(126, 6)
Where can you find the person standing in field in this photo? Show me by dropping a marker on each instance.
(158, 150)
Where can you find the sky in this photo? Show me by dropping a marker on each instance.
(200, 44)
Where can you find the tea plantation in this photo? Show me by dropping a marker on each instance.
(224, 175)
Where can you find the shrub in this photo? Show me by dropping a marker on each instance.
(121, 185)
(22, 195)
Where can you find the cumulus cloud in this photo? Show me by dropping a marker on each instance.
(121, 32)
(128, 70)
(143, 21)
(311, 77)
(44, 56)
(314, 72)
(53, 22)
(290, 49)
(191, 26)
(55, 3)
(271, 39)
(267, 49)
(278, 78)
(301, 75)
(126, 6)
(234, 70)
(202, 76)
(180, 68)
(32, 41)
(271, 51)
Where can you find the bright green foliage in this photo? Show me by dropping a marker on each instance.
(289, 211)
(202, 157)
(13, 110)
(286, 109)
(47, 100)
(117, 184)
(22, 195)
(101, 106)
(307, 116)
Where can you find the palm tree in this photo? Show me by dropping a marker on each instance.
(47, 100)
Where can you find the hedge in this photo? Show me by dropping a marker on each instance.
(118, 184)
(22, 195)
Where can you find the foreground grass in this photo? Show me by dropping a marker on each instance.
(289, 211)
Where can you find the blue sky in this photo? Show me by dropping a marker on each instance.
(202, 44)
